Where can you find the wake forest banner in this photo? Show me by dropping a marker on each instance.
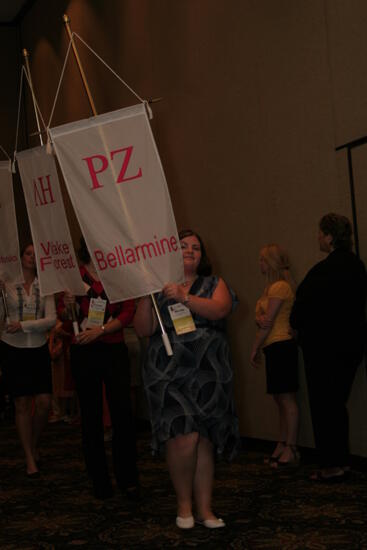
(57, 267)
(10, 265)
(115, 180)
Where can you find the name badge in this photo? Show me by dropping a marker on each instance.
(29, 312)
(181, 318)
(97, 308)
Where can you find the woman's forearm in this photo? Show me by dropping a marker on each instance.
(38, 325)
(44, 324)
(260, 338)
(145, 322)
(217, 307)
(112, 326)
(210, 308)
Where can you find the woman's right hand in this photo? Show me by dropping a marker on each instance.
(174, 292)
(14, 327)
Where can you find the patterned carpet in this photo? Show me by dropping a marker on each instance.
(263, 509)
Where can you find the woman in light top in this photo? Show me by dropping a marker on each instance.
(26, 361)
(274, 337)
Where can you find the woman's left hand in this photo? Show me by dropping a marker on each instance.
(255, 358)
(88, 336)
(174, 292)
(13, 327)
(264, 322)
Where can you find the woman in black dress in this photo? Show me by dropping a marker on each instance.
(329, 315)
(25, 357)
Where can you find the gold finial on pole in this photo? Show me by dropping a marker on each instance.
(155, 100)
(26, 61)
(66, 20)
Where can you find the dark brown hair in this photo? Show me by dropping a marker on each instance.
(83, 252)
(340, 229)
(24, 247)
(205, 267)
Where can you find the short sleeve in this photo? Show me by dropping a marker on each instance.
(280, 289)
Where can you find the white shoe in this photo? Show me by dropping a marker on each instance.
(185, 523)
(211, 523)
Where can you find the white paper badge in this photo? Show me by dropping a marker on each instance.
(97, 308)
(29, 312)
(181, 318)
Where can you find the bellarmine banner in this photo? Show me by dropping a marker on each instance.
(116, 183)
(57, 266)
(10, 265)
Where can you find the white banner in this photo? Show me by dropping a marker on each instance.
(118, 189)
(56, 262)
(10, 264)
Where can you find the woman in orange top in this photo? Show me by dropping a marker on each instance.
(274, 336)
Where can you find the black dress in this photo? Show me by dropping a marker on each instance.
(329, 315)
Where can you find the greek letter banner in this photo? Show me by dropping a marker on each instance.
(56, 263)
(118, 189)
(10, 265)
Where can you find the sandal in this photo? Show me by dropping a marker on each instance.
(293, 461)
(274, 458)
(320, 477)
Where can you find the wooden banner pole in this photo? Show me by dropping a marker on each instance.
(66, 20)
(26, 61)
(3, 296)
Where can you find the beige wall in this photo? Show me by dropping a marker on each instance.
(9, 45)
(257, 94)
(9, 94)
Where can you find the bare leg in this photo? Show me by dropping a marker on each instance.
(290, 414)
(23, 421)
(203, 480)
(282, 429)
(40, 419)
(181, 455)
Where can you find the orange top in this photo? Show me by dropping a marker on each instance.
(281, 326)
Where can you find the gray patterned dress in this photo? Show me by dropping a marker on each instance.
(192, 390)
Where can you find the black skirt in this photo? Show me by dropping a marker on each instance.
(26, 371)
(281, 361)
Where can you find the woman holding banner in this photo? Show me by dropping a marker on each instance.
(26, 360)
(190, 393)
(98, 354)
